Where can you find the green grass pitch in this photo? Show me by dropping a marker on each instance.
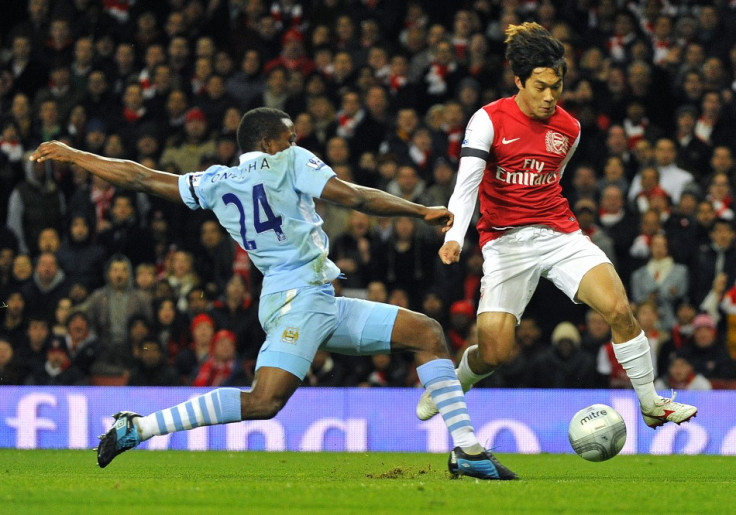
(142, 482)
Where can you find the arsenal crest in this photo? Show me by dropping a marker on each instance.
(556, 143)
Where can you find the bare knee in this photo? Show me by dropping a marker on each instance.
(434, 337)
(418, 333)
(620, 317)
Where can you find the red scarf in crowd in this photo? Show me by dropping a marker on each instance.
(213, 373)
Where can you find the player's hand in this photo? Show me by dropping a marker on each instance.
(55, 150)
(439, 215)
(450, 252)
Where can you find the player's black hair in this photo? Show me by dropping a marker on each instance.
(530, 46)
(259, 123)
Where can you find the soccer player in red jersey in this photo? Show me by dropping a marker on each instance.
(513, 156)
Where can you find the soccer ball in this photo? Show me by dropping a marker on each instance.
(597, 433)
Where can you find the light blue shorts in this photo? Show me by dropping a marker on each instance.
(301, 321)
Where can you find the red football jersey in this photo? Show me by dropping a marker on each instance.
(526, 158)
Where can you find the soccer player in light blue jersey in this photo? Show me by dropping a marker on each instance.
(266, 203)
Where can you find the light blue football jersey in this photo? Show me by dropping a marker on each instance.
(267, 205)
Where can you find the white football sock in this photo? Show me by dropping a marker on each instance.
(636, 359)
(465, 375)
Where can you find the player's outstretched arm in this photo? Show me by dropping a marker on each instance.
(120, 172)
(380, 203)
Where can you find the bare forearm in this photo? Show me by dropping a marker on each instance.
(130, 175)
(379, 203)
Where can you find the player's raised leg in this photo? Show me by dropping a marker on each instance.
(413, 331)
(271, 390)
(602, 290)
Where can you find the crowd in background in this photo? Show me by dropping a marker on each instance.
(97, 282)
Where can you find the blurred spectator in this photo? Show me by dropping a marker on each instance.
(597, 333)
(145, 278)
(10, 371)
(215, 100)
(125, 234)
(109, 310)
(29, 74)
(182, 277)
(13, 326)
(275, 93)
(619, 224)
(32, 353)
(214, 260)
(222, 368)
(564, 364)
(34, 204)
(11, 162)
(293, 55)
(80, 343)
(672, 178)
(376, 291)
(47, 286)
(195, 143)
(681, 375)
(58, 369)
(62, 310)
(721, 161)
(202, 331)
(151, 368)
(98, 100)
(720, 195)
(661, 281)
(351, 250)
(708, 354)
(248, 83)
(716, 123)
(692, 152)
(81, 258)
(443, 183)
(237, 312)
(22, 271)
(60, 91)
(713, 258)
(681, 335)
(170, 327)
(648, 178)
(406, 259)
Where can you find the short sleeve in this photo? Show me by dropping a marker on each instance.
(192, 188)
(311, 173)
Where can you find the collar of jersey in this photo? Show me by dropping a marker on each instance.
(249, 155)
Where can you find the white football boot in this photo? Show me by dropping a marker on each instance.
(666, 410)
(426, 408)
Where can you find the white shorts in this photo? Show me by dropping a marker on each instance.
(513, 264)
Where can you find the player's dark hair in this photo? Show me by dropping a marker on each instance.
(259, 123)
(530, 46)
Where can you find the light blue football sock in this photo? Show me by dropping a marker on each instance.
(439, 379)
(220, 406)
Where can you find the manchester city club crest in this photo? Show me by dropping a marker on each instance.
(556, 143)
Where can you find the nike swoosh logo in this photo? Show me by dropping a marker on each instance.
(507, 141)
